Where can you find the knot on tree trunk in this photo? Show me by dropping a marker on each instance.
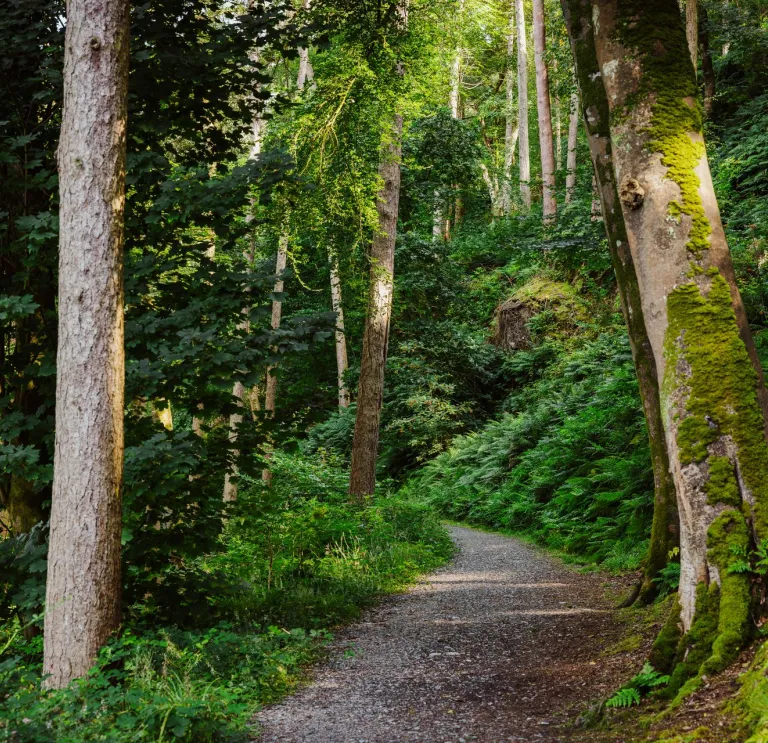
(631, 193)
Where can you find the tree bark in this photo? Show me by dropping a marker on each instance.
(707, 68)
(365, 443)
(573, 140)
(692, 31)
(544, 112)
(270, 391)
(712, 391)
(83, 588)
(342, 363)
(665, 527)
(512, 129)
(306, 73)
(524, 148)
(558, 137)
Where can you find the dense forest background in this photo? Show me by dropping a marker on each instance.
(510, 400)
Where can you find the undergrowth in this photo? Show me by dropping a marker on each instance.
(298, 561)
(567, 465)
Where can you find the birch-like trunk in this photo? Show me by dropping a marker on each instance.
(544, 110)
(83, 587)
(306, 73)
(511, 129)
(365, 444)
(342, 363)
(713, 397)
(270, 389)
(455, 95)
(558, 136)
(665, 528)
(573, 139)
(524, 148)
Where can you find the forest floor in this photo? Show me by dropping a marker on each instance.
(506, 643)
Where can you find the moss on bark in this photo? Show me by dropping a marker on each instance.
(706, 357)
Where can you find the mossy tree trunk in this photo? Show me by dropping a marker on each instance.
(370, 393)
(665, 529)
(712, 390)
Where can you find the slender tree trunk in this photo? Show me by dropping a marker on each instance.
(544, 111)
(342, 364)
(83, 589)
(230, 478)
(596, 211)
(558, 137)
(270, 391)
(692, 30)
(524, 148)
(573, 140)
(455, 97)
(365, 444)
(712, 391)
(707, 68)
(511, 130)
(665, 528)
(306, 73)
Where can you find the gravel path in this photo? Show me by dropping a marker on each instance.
(503, 644)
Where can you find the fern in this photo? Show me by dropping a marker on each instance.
(624, 698)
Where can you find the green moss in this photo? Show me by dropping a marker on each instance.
(728, 539)
(706, 357)
(695, 647)
(664, 650)
(751, 703)
(722, 486)
(654, 28)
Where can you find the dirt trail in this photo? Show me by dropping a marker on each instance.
(503, 644)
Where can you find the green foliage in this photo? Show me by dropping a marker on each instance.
(568, 464)
(644, 682)
(293, 556)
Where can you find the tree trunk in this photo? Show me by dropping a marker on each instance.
(665, 529)
(558, 137)
(365, 444)
(524, 148)
(707, 68)
(573, 140)
(83, 589)
(270, 392)
(512, 130)
(544, 112)
(692, 30)
(712, 391)
(454, 100)
(306, 73)
(342, 364)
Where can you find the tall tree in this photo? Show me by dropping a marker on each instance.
(573, 140)
(83, 590)
(270, 391)
(713, 397)
(707, 68)
(594, 104)
(511, 125)
(544, 110)
(365, 443)
(692, 30)
(342, 362)
(524, 148)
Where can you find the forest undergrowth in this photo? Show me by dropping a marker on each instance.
(248, 619)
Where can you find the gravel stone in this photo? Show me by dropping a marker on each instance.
(501, 645)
